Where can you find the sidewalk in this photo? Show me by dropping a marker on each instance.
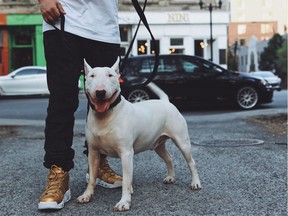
(250, 179)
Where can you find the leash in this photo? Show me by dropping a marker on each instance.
(156, 62)
(143, 19)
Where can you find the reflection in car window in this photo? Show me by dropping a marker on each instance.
(40, 71)
(133, 67)
(166, 65)
(211, 68)
(26, 72)
(189, 67)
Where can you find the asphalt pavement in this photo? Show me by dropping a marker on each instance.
(242, 167)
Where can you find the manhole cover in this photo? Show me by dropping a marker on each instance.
(231, 143)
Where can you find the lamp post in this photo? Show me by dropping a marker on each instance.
(210, 7)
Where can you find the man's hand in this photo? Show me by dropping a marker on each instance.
(50, 10)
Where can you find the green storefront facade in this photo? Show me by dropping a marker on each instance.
(22, 41)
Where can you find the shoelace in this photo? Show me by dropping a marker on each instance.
(53, 185)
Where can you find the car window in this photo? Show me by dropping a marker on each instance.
(41, 71)
(146, 66)
(133, 67)
(26, 72)
(211, 68)
(189, 67)
(167, 65)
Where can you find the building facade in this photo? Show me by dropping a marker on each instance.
(179, 26)
(252, 24)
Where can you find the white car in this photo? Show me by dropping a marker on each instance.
(28, 80)
(270, 77)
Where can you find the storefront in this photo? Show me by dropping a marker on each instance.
(21, 42)
(184, 32)
(177, 32)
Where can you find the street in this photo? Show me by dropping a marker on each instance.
(242, 167)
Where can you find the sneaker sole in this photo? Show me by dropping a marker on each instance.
(55, 205)
(105, 184)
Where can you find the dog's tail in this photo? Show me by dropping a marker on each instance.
(158, 91)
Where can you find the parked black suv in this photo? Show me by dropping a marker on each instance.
(193, 78)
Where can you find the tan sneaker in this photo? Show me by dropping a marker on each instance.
(107, 177)
(57, 191)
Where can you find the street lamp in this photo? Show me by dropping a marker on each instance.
(210, 7)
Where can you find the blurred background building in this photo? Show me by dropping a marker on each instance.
(241, 30)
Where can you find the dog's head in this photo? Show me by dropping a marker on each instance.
(102, 85)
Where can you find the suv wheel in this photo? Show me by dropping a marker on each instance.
(247, 97)
(138, 95)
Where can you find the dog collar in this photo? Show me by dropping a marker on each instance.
(117, 101)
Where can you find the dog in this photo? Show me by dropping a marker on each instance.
(118, 128)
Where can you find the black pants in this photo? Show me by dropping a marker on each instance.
(64, 57)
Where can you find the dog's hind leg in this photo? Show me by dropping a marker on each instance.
(164, 154)
(185, 147)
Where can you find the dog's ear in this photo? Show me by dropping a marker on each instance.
(115, 67)
(87, 67)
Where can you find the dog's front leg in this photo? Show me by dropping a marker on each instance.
(94, 162)
(127, 166)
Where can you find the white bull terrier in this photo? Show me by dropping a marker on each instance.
(118, 128)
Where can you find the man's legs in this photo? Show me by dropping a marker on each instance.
(64, 64)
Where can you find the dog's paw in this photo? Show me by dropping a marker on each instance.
(196, 186)
(122, 206)
(169, 180)
(85, 198)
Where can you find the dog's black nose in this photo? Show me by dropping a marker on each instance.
(100, 94)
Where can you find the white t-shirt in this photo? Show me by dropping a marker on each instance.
(92, 19)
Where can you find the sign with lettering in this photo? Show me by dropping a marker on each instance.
(178, 17)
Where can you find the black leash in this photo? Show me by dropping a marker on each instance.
(142, 16)
(143, 19)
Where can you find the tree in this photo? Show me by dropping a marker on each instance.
(281, 62)
(268, 56)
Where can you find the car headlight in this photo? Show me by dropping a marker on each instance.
(264, 82)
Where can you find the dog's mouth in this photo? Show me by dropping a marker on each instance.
(102, 105)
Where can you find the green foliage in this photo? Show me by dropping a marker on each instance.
(274, 57)
(281, 62)
(268, 56)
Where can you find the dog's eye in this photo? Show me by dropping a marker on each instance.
(110, 75)
(92, 75)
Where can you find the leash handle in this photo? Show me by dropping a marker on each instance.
(142, 16)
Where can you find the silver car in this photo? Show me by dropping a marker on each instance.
(29, 80)
(270, 77)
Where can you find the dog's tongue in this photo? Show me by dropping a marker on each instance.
(102, 106)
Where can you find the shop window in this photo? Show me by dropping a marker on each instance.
(199, 46)
(222, 56)
(124, 33)
(146, 47)
(174, 50)
(177, 45)
(142, 47)
(152, 50)
(176, 42)
(22, 46)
